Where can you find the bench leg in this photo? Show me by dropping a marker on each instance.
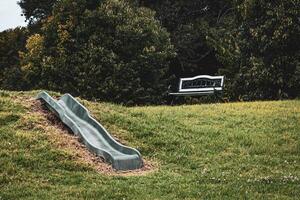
(174, 100)
(218, 96)
(170, 100)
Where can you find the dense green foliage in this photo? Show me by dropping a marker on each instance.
(11, 42)
(261, 55)
(253, 43)
(190, 22)
(113, 52)
(216, 151)
(36, 10)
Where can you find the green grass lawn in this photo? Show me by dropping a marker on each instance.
(212, 151)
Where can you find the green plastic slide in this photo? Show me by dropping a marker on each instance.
(92, 133)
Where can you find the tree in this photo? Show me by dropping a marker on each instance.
(190, 22)
(261, 55)
(36, 10)
(113, 52)
(11, 42)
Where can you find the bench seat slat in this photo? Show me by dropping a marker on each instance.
(191, 93)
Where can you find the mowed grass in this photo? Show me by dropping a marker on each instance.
(213, 151)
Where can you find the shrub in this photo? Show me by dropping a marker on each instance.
(11, 42)
(261, 56)
(113, 52)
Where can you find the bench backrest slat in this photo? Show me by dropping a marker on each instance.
(201, 83)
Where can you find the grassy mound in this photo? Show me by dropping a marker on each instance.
(233, 150)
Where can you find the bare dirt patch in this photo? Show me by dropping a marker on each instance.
(62, 137)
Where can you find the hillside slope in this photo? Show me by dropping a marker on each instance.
(233, 150)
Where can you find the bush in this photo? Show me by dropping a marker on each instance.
(112, 52)
(11, 42)
(261, 55)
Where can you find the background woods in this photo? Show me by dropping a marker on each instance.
(130, 51)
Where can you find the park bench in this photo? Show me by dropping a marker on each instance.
(199, 86)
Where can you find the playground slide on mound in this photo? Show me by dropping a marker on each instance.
(92, 133)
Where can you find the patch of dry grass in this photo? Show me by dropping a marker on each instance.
(39, 117)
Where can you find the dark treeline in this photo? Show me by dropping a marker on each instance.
(131, 51)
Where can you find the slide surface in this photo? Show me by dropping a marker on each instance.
(93, 134)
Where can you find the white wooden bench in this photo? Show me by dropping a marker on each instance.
(199, 85)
